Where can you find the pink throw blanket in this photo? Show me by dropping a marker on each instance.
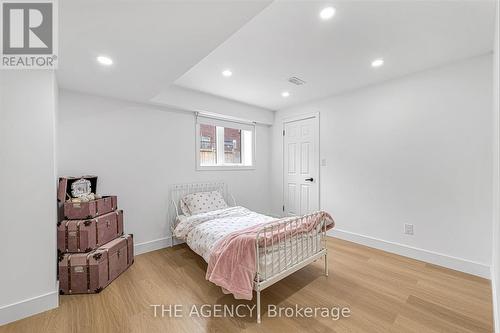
(232, 263)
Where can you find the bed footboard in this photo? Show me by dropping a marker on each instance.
(278, 257)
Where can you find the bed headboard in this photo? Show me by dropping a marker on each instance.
(177, 191)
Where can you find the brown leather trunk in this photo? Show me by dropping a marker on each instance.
(87, 235)
(88, 273)
(90, 209)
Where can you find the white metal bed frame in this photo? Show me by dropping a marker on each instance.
(314, 242)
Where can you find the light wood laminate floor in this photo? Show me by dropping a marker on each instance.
(385, 292)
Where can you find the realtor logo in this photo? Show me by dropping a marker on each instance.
(28, 34)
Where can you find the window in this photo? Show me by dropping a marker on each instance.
(224, 144)
(208, 145)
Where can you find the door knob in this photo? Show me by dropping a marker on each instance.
(309, 179)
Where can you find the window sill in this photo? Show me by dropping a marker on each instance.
(224, 167)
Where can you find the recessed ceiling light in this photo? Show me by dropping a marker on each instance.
(285, 94)
(103, 60)
(327, 13)
(377, 62)
(227, 73)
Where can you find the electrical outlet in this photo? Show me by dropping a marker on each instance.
(323, 162)
(408, 229)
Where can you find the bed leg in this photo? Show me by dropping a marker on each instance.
(258, 306)
(326, 263)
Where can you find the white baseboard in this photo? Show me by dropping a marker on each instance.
(155, 244)
(432, 257)
(29, 307)
(152, 245)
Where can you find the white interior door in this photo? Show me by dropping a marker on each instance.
(301, 166)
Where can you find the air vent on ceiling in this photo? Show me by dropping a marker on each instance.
(296, 80)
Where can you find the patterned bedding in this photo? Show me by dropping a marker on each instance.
(202, 231)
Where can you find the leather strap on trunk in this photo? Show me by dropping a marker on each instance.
(66, 242)
(117, 223)
(78, 235)
(96, 232)
(107, 254)
(69, 273)
(128, 254)
(88, 270)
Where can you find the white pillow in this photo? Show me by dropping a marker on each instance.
(202, 202)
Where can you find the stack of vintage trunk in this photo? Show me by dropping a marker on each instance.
(92, 248)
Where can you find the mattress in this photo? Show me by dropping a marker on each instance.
(201, 232)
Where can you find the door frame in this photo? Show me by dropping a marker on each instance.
(316, 116)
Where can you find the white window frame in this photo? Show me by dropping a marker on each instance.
(228, 123)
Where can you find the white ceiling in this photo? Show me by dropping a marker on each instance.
(156, 44)
(288, 39)
(152, 42)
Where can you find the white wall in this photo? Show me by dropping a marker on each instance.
(27, 194)
(138, 151)
(412, 150)
(495, 263)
